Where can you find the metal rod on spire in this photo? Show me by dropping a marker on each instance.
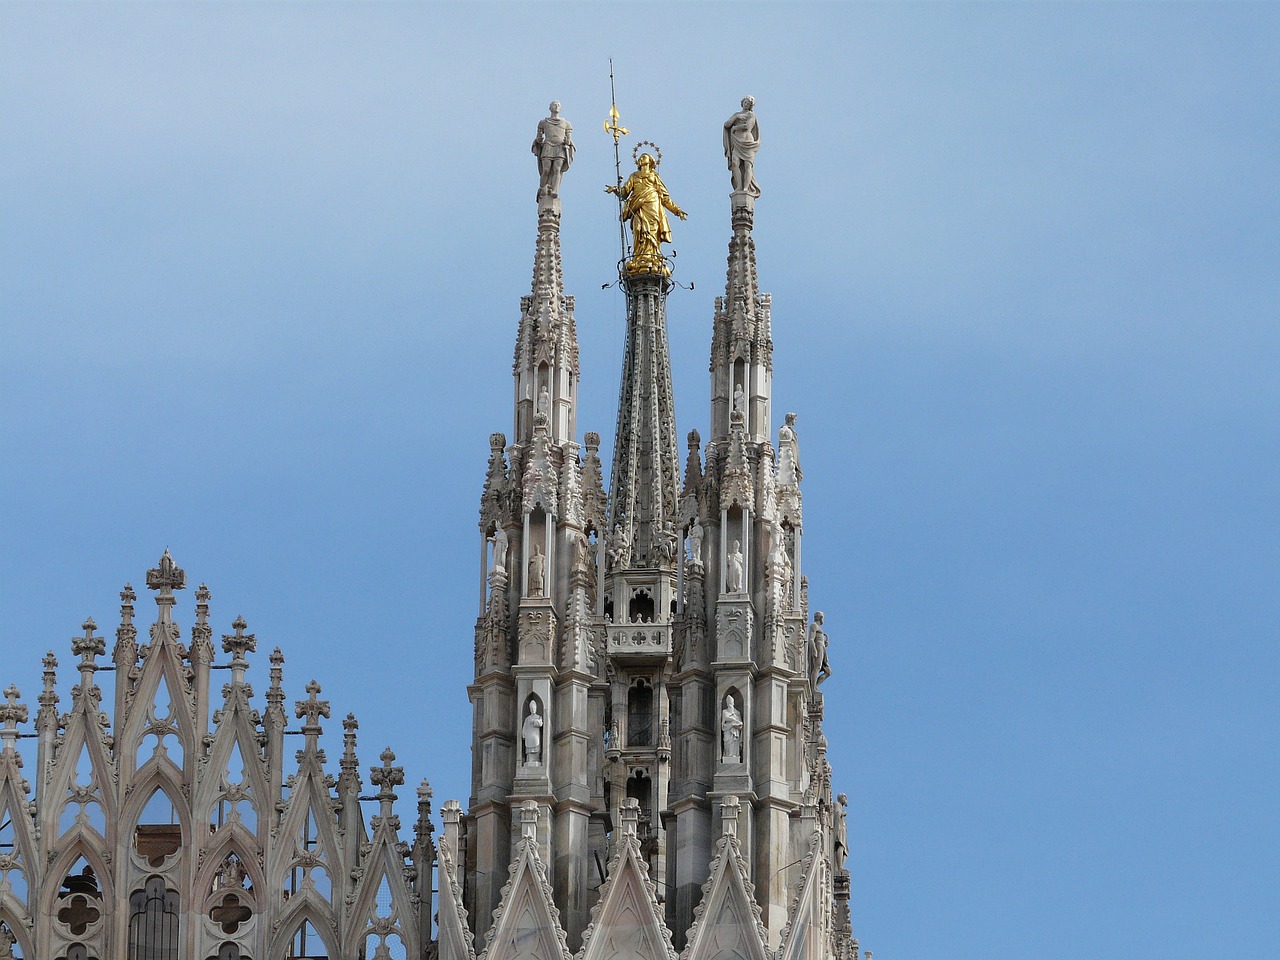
(612, 126)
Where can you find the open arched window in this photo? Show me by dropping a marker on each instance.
(305, 944)
(640, 714)
(158, 834)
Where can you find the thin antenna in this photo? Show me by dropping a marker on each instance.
(618, 131)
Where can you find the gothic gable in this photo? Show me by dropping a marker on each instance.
(803, 937)
(526, 926)
(727, 924)
(627, 922)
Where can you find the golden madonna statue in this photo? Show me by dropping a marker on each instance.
(645, 203)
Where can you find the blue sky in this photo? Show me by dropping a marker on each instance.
(260, 269)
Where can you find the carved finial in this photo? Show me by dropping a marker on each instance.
(166, 578)
(529, 819)
(312, 709)
(88, 646)
(629, 815)
(729, 808)
(497, 441)
(127, 596)
(386, 777)
(237, 644)
(424, 791)
(12, 713)
(203, 596)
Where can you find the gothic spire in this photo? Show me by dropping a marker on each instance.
(645, 478)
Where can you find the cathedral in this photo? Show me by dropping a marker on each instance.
(649, 776)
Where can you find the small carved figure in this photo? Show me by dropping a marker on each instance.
(532, 734)
(730, 732)
(819, 665)
(789, 472)
(553, 146)
(645, 203)
(741, 141)
(669, 542)
(7, 940)
(499, 541)
(544, 402)
(696, 534)
(619, 547)
(739, 399)
(736, 562)
(537, 573)
(841, 842)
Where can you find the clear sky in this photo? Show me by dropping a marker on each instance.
(260, 269)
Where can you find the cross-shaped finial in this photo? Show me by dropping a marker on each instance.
(424, 791)
(386, 776)
(312, 709)
(88, 646)
(203, 596)
(127, 596)
(12, 712)
(238, 643)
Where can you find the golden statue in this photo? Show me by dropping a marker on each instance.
(645, 203)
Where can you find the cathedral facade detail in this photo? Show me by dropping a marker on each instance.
(649, 774)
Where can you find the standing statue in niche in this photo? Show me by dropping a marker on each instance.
(789, 472)
(645, 203)
(553, 146)
(532, 735)
(696, 534)
(819, 665)
(739, 401)
(499, 541)
(733, 582)
(537, 573)
(730, 732)
(741, 141)
(544, 402)
(7, 940)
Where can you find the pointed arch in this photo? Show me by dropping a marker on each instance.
(293, 921)
(18, 928)
(150, 837)
(235, 840)
(82, 898)
(383, 899)
(79, 844)
(161, 666)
